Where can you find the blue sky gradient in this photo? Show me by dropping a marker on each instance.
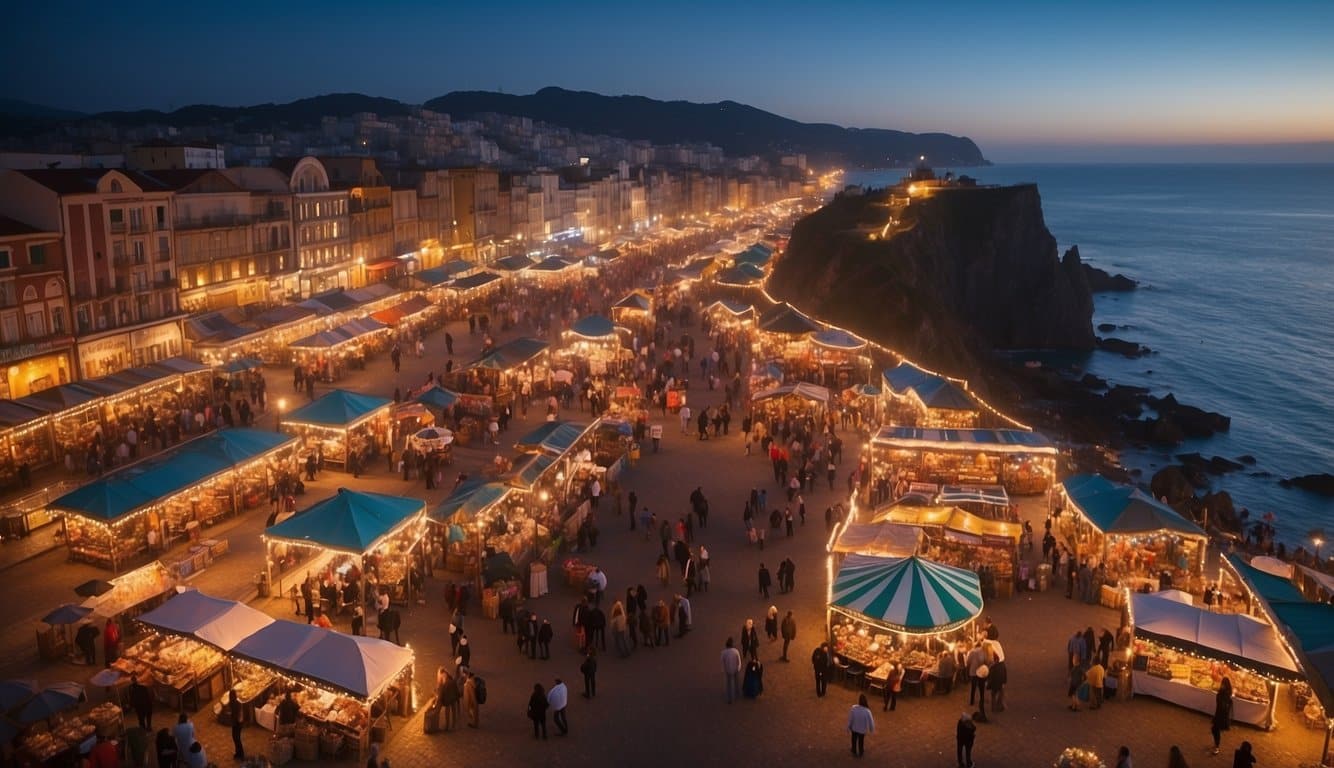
(1025, 80)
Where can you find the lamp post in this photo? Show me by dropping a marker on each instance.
(278, 423)
(1319, 542)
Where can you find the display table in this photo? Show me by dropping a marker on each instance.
(537, 580)
(1201, 699)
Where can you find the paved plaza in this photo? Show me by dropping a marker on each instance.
(665, 706)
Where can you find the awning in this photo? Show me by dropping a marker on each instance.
(553, 437)
(636, 301)
(880, 539)
(741, 276)
(50, 400)
(1115, 508)
(516, 263)
(361, 666)
(510, 355)
(529, 473)
(787, 319)
(954, 495)
(432, 277)
(382, 265)
(437, 397)
(593, 327)
(1310, 629)
(338, 408)
(354, 522)
(220, 623)
(950, 519)
(909, 594)
(1237, 638)
(552, 264)
(835, 338)
(733, 308)
(471, 498)
(475, 280)
(933, 390)
(801, 389)
(1002, 441)
(1270, 588)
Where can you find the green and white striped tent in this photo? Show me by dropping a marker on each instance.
(906, 594)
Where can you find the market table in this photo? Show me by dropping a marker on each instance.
(1200, 699)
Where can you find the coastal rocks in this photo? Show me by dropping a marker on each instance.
(1128, 349)
(1106, 327)
(1247, 459)
(1101, 281)
(1218, 511)
(1173, 485)
(1216, 465)
(1193, 422)
(1093, 382)
(1322, 484)
(967, 271)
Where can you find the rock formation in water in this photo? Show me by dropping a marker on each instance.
(963, 272)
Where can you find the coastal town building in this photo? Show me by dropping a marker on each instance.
(170, 156)
(36, 345)
(475, 193)
(116, 230)
(370, 215)
(320, 227)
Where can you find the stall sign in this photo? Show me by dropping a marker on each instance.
(23, 351)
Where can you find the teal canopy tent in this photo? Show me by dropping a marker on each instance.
(552, 437)
(473, 281)
(786, 319)
(932, 390)
(593, 327)
(911, 594)
(510, 355)
(353, 522)
(635, 301)
(468, 500)
(338, 408)
(437, 397)
(838, 339)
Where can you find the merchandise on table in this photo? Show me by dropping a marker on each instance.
(1206, 674)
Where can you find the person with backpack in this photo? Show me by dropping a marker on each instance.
(474, 695)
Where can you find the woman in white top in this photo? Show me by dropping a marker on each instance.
(860, 723)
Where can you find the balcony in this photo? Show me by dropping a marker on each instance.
(276, 213)
(117, 227)
(138, 227)
(214, 222)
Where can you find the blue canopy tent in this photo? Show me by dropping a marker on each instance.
(838, 339)
(473, 281)
(552, 265)
(516, 263)
(735, 309)
(361, 666)
(695, 269)
(437, 397)
(431, 278)
(636, 301)
(758, 254)
(352, 523)
(96, 512)
(468, 500)
(593, 327)
(527, 475)
(1113, 510)
(786, 319)
(740, 276)
(510, 355)
(339, 408)
(552, 437)
(220, 623)
(927, 391)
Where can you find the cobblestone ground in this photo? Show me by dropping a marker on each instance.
(665, 706)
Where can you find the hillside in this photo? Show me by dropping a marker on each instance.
(737, 128)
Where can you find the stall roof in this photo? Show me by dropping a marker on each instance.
(983, 440)
(437, 397)
(475, 280)
(933, 390)
(349, 521)
(950, 519)
(470, 498)
(785, 318)
(432, 277)
(458, 266)
(218, 622)
(282, 315)
(954, 495)
(734, 308)
(800, 389)
(329, 302)
(635, 300)
(527, 475)
(1124, 509)
(744, 275)
(359, 665)
(511, 354)
(338, 408)
(1273, 589)
(1240, 639)
(402, 309)
(553, 264)
(836, 338)
(50, 400)
(593, 327)
(241, 364)
(908, 594)
(880, 539)
(515, 263)
(1310, 628)
(757, 254)
(175, 365)
(553, 437)
(864, 390)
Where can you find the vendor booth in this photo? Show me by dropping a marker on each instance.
(1141, 542)
(483, 518)
(879, 540)
(499, 374)
(345, 686)
(740, 276)
(1022, 462)
(553, 271)
(913, 397)
(339, 423)
(635, 310)
(593, 342)
(1309, 631)
(798, 400)
(1182, 652)
(26, 440)
(783, 332)
(172, 496)
(840, 357)
(885, 611)
(332, 352)
(376, 533)
(730, 315)
(990, 548)
(1246, 588)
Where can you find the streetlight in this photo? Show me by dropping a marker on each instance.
(278, 423)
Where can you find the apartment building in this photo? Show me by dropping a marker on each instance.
(321, 227)
(36, 345)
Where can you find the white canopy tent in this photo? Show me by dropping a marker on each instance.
(882, 539)
(220, 623)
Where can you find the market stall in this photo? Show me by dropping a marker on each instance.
(635, 310)
(989, 548)
(150, 504)
(730, 314)
(25, 440)
(1182, 652)
(879, 540)
(484, 517)
(66, 735)
(346, 686)
(897, 611)
(1308, 630)
(783, 333)
(1137, 538)
(1021, 461)
(915, 397)
(376, 533)
(840, 357)
(500, 372)
(1246, 588)
(332, 352)
(554, 270)
(799, 400)
(341, 422)
(594, 343)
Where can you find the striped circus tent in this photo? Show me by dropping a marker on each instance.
(908, 594)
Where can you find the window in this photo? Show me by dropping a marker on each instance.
(117, 216)
(160, 216)
(117, 253)
(138, 251)
(37, 254)
(57, 319)
(36, 324)
(6, 258)
(9, 328)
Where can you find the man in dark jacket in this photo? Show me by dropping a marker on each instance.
(544, 635)
(820, 661)
(597, 629)
(765, 582)
(964, 734)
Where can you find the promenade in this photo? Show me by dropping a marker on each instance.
(665, 706)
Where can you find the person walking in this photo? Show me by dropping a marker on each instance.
(789, 631)
(976, 660)
(1222, 720)
(471, 701)
(750, 640)
(234, 710)
(558, 698)
(731, 659)
(860, 723)
(545, 633)
(893, 684)
(1123, 758)
(1243, 758)
(820, 664)
(965, 733)
(771, 623)
(590, 671)
(765, 581)
(537, 711)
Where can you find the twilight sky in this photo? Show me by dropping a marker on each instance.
(1026, 80)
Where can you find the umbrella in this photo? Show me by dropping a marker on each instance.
(107, 678)
(50, 702)
(15, 692)
(69, 613)
(94, 588)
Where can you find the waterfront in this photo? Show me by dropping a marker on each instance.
(1234, 266)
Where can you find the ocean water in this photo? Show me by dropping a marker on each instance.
(1236, 266)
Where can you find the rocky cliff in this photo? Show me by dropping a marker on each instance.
(962, 273)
